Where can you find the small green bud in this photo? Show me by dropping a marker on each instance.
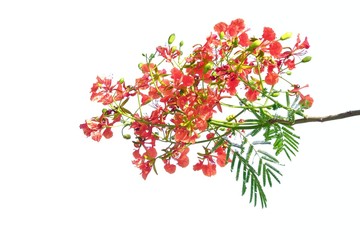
(140, 65)
(104, 110)
(306, 59)
(288, 73)
(121, 80)
(126, 136)
(254, 45)
(286, 36)
(208, 66)
(222, 129)
(173, 48)
(222, 35)
(171, 38)
(275, 94)
(181, 43)
(230, 118)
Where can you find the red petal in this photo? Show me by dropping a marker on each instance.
(108, 133)
(170, 168)
(220, 27)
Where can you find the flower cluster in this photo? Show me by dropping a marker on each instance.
(178, 97)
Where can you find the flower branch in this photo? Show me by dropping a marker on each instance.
(317, 119)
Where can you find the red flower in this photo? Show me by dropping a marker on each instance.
(244, 40)
(271, 78)
(221, 157)
(142, 164)
(297, 88)
(268, 34)
(236, 26)
(232, 82)
(220, 27)
(306, 101)
(275, 48)
(181, 157)
(252, 94)
(97, 127)
(184, 135)
(290, 63)
(168, 53)
(181, 80)
(170, 168)
(210, 136)
(209, 169)
(305, 44)
(101, 91)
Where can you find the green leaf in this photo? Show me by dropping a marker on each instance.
(243, 191)
(252, 189)
(287, 99)
(238, 170)
(269, 178)
(260, 167)
(274, 176)
(217, 145)
(268, 156)
(273, 168)
(289, 144)
(286, 129)
(287, 148)
(264, 175)
(233, 161)
(248, 155)
(228, 153)
(255, 131)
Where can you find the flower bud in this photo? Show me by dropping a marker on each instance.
(208, 66)
(222, 35)
(121, 80)
(230, 118)
(306, 59)
(171, 38)
(254, 45)
(275, 94)
(181, 43)
(173, 48)
(126, 136)
(286, 36)
(288, 73)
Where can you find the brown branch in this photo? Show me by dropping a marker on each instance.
(318, 119)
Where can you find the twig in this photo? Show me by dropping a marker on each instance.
(318, 119)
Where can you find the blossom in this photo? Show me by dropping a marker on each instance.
(98, 127)
(252, 94)
(170, 168)
(306, 101)
(176, 104)
(168, 53)
(275, 48)
(236, 26)
(304, 45)
(180, 155)
(244, 39)
(268, 34)
(101, 91)
(271, 78)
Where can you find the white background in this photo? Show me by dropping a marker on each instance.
(57, 184)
